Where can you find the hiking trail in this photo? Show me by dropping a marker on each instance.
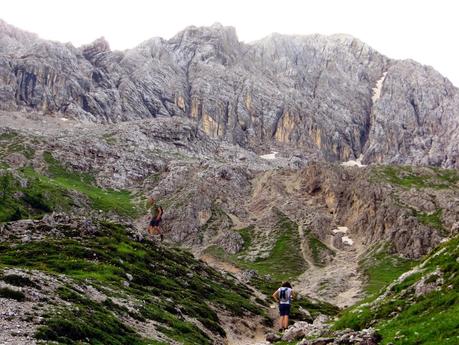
(339, 282)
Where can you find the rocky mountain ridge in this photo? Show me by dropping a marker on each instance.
(87, 133)
(332, 97)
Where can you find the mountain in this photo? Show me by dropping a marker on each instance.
(419, 307)
(332, 97)
(241, 144)
(73, 231)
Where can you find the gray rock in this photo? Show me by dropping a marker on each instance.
(321, 341)
(314, 93)
(272, 337)
(247, 275)
(296, 331)
(428, 283)
(305, 314)
(230, 241)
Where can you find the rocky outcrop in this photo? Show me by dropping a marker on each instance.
(363, 337)
(304, 333)
(332, 97)
(375, 210)
(415, 116)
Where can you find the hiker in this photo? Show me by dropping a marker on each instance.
(156, 214)
(284, 296)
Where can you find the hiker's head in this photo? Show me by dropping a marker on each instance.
(286, 284)
(151, 200)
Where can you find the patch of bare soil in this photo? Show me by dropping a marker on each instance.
(220, 265)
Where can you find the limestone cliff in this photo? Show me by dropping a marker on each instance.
(329, 96)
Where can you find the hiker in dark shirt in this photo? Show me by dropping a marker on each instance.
(284, 296)
(156, 217)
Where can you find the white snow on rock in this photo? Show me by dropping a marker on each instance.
(347, 240)
(356, 163)
(342, 229)
(269, 156)
(378, 87)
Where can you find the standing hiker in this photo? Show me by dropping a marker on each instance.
(284, 296)
(156, 214)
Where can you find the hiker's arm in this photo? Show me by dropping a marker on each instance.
(275, 296)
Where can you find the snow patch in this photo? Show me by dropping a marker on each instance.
(269, 156)
(342, 229)
(347, 240)
(354, 163)
(378, 87)
(63, 119)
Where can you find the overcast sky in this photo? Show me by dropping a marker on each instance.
(426, 31)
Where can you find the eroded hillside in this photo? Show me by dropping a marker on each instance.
(72, 207)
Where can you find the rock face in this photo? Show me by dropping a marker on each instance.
(415, 116)
(331, 96)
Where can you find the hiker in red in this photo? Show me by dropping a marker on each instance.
(284, 296)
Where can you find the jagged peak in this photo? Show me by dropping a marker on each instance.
(216, 30)
(94, 49)
(100, 42)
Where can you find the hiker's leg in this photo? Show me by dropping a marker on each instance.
(283, 312)
(160, 232)
(286, 321)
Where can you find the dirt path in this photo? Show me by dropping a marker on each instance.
(259, 338)
(339, 282)
(245, 331)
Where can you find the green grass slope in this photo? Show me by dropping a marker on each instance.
(28, 193)
(420, 307)
(428, 177)
(381, 268)
(284, 262)
(166, 286)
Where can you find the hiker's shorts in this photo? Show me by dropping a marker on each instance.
(155, 222)
(284, 309)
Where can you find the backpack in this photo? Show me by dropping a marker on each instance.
(283, 295)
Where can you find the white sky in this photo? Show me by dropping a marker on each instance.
(426, 31)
